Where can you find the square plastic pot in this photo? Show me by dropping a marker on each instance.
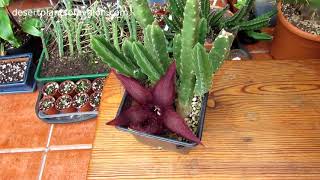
(164, 142)
(27, 84)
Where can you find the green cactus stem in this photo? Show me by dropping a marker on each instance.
(159, 46)
(144, 60)
(142, 12)
(189, 37)
(112, 57)
(203, 70)
(205, 8)
(69, 35)
(221, 49)
(58, 36)
(203, 29)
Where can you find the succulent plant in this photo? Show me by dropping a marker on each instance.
(97, 84)
(46, 105)
(95, 99)
(147, 62)
(154, 110)
(50, 89)
(63, 103)
(216, 20)
(83, 85)
(67, 87)
(80, 100)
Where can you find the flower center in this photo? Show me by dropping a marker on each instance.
(157, 110)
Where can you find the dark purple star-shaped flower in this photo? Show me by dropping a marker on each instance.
(154, 110)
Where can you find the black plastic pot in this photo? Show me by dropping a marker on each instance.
(33, 45)
(163, 142)
(28, 84)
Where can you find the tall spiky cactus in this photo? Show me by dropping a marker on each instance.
(185, 64)
(194, 65)
(142, 12)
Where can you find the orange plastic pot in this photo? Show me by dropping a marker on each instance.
(292, 43)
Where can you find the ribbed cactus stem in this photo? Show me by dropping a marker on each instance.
(145, 62)
(203, 29)
(109, 55)
(189, 37)
(203, 70)
(142, 12)
(221, 49)
(159, 46)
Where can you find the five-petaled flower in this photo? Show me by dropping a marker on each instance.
(154, 110)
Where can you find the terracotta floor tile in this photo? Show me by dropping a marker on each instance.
(261, 56)
(20, 166)
(77, 133)
(67, 165)
(19, 125)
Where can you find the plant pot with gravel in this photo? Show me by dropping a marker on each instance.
(47, 105)
(95, 100)
(297, 33)
(67, 87)
(97, 85)
(81, 102)
(64, 104)
(153, 110)
(16, 74)
(83, 86)
(51, 89)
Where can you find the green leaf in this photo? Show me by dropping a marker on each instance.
(33, 27)
(4, 3)
(6, 31)
(259, 36)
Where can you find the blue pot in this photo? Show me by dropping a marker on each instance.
(27, 84)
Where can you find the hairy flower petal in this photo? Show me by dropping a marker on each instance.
(174, 122)
(134, 115)
(164, 91)
(139, 93)
(150, 126)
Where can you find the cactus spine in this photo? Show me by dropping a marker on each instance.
(189, 37)
(142, 12)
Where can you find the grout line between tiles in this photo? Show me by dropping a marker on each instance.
(70, 147)
(22, 150)
(44, 157)
(43, 163)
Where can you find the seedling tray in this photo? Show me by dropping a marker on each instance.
(42, 80)
(28, 84)
(63, 118)
(163, 142)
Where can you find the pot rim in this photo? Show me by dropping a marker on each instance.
(292, 28)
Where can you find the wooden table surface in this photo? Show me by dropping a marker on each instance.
(266, 125)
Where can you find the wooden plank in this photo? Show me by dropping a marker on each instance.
(266, 125)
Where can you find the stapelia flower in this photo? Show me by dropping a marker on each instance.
(154, 110)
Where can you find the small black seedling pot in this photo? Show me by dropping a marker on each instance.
(159, 141)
